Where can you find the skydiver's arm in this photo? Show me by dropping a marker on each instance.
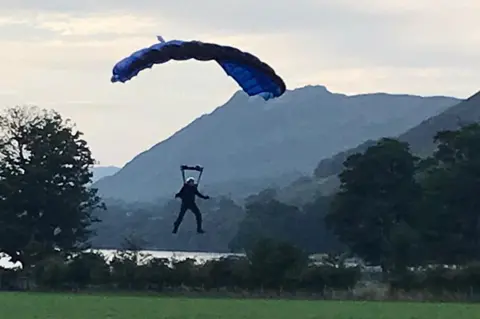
(200, 194)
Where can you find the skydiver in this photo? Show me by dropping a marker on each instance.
(187, 194)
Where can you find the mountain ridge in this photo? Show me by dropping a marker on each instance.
(100, 172)
(420, 137)
(279, 141)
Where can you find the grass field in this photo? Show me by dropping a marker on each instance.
(71, 306)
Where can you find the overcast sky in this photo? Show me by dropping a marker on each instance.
(59, 54)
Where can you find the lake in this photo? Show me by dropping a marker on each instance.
(179, 255)
(200, 257)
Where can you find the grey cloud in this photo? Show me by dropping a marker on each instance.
(25, 33)
(399, 52)
(328, 32)
(331, 23)
(216, 16)
(86, 6)
(329, 26)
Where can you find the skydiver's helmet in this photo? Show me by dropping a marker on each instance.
(190, 181)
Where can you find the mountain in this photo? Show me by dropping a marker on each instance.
(419, 137)
(103, 171)
(248, 144)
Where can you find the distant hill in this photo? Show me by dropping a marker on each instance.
(103, 171)
(247, 144)
(419, 137)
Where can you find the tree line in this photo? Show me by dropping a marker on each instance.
(398, 210)
(392, 208)
(269, 269)
(404, 213)
(269, 266)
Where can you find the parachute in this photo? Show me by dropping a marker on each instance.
(252, 75)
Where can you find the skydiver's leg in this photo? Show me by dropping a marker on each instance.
(198, 217)
(179, 219)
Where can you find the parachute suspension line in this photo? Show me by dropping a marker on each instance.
(197, 168)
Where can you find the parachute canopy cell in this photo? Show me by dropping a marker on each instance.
(252, 75)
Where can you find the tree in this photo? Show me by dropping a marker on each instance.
(276, 264)
(451, 202)
(45, 203)
(374, 211)
(267, 219)
(314, 236)
(303, 227)
(88, 268)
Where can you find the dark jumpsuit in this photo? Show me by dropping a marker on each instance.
(187, 194)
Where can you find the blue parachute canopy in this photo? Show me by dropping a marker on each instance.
(252, 75)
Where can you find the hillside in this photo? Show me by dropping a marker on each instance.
(248, 144)
(419, 137)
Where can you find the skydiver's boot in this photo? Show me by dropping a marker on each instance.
(200, 228)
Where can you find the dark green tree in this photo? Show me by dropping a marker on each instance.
(88, 268)
(313, 236)
(374, 211)
(45, 168)
(268, 218)
(303, 227)
(451, 206)
(276, 264)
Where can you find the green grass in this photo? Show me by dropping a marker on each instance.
(72, 306)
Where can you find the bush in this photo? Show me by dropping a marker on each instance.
(269, 266)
